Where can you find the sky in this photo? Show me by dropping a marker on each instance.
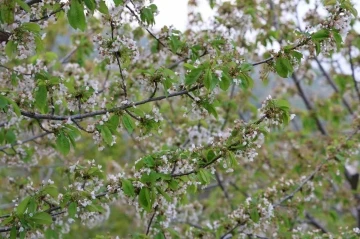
(174, 12)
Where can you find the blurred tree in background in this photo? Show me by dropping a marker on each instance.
(242, 126)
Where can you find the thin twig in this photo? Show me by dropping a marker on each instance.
(311, 175)
(218, 179)
(25, 141)
(48, 16)
(151, 220)
(102, 112)
(308, 105)
(315, 223)
(333, 86)
(230, 231)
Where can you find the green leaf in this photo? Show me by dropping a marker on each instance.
(338, 39)
(7, 221)
(31, 27)
(149, 161)
(106, 135)
(118, 2)
(72, 209)
(210, 81)
(113, 123)
(23, 5)
(21, 208)
(144, 199)
(348, 6)
(147, 14)
(282, 66)
(39, 43)
(282, 104)
(160, 235)
(127, 122)
(32, 206)
(128, 188)
(297, 55)
(51, 234)
(204, 176)
(232, 159)
(193, 76)
(10, 136)
(173, 184)
(3, 102)
(13, 233)
(76, 16)
(15, 107)
(212, 3)
(42, 218)
(90, 4)
(62, 143)
(320, 35)
(51, 190)
(246, 80)
(7, 11)
(189, 66)
(10, 48)
(103, 8)
(41, 98)
(164, 194)
(210, 109)
(246, 66)
(317, 48)
(210, 155)
(254, 215)
(225, 81)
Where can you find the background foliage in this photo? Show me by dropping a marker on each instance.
(244, 126)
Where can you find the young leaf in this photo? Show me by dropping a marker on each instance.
(23, 5)
(103, 8)
(144, 199)
(254, 215)
(127, 122)
(13, 233)
(7, 11)
(320, 35)
(113, 123)
(281, 67)
(90, 4)
(31, 27)
(51, 190)
(193, 76)
(225, 81)
(106, 135)
(118, 2)
(246, 66)
(338, 39)
(128, 188)
(62, 143)
(42, 218)
(72, 209)
(76, 16)
(3, 102)
(210, 81)
(41, 98)
(10, 48)
(10, 136)
(21, 208)
(210, 109)
(297, 55)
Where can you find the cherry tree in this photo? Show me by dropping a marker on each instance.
(243, 126)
